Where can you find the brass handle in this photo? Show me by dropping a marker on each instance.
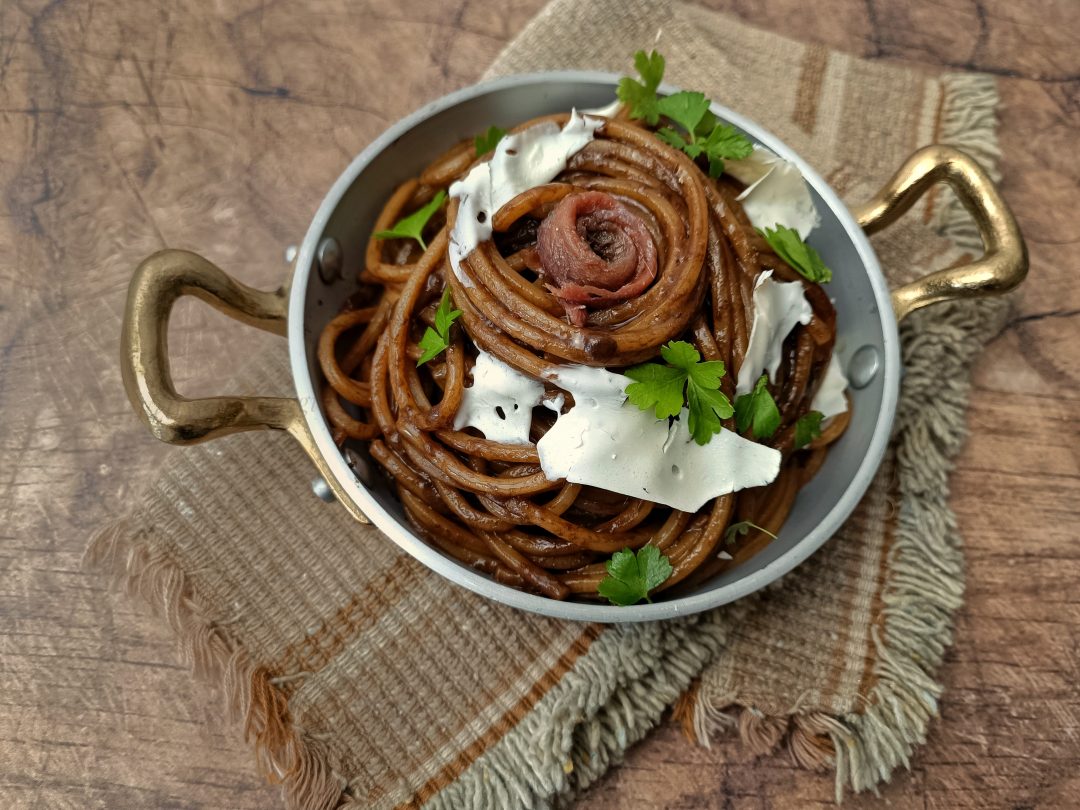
(1004, 263)
(157, 284)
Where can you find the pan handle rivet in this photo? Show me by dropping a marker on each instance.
(864, 366)
(322, 489)
(329, 259)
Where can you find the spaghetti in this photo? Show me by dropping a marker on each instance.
(687, 263)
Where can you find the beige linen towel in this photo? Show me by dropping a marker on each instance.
(362, 679)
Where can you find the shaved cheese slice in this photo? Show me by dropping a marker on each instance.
(606, 442)
(778, 306)
(750, 169)
(521, 161)
(499, 402)
(830, 399)
(776, 192)
(608, 111)
(781, 197)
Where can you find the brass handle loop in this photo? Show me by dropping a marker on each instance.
(158, 283)
(1004, 263)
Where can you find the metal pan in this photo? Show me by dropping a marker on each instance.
(331, 254)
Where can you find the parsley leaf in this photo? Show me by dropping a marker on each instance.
(680, 354)
(707, 408)
(757, 410)
(631, 577)
(707, 123)
(489, 140)
(412, 226)
(793, 250)
(673, 138)
(742, 528)
(436, 341)
(660, 388)
(725, 142)
(651, 68)
(686, 109)
(705, 135)
(657, 387)
(807, 428)
(640, 97)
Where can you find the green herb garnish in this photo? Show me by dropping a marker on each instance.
(412, 226)
(436, 341)
(757, 411)
(686, 109)
(742, 528)
(704, 134)
(489, 140)
(631, 577)
(661, 389)
(640, 97)
(725, 142)
(790, 247)
(807, 428)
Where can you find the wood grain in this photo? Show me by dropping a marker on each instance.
(125, 129)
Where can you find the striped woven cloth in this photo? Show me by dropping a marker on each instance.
(362, 679)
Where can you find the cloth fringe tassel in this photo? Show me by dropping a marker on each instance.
(284, 754)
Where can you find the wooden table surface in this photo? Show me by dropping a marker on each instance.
(127, 129)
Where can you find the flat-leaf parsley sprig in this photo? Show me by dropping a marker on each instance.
(435, 341)
(703, 133)
(489, 140)
(807, 428)
(412, 226)
(790, 247)
(640, 97)
(685, 378)
(757, 411)
(631, 576)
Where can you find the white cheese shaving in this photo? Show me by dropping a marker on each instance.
(499, 402)
(776, 193)
(606, 442)
(750, 169)
(608, 111)
(778, 306)
(830, 399)
(521, 161)
(555, 404)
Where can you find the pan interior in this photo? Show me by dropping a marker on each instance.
(864, 320)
